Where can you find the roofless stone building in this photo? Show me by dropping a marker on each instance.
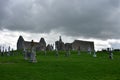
(22, 44)
(59, 45)
(83, 45)
(76, 45)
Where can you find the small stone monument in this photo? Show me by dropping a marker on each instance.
(25, 54)
(33, 53)
(8, 54)
(110, 54)
(28, 51)
(94, 55)
(89, 50)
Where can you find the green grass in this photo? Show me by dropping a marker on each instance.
(74, 67)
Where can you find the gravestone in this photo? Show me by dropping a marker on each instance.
(33, 53)
(110, 55)
(45, 52)
(94, 55)
(89, 50)
(25, 54)
(8, 54)
(28, 53)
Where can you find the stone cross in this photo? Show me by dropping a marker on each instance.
(33, 53)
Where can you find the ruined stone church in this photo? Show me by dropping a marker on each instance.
(22, 44)
(59, 45)
(75, 45)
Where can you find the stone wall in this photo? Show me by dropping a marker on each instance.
(84, 45)
(59, 45)
(22, 44)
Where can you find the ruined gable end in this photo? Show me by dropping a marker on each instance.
(20, 43)
(42, 44)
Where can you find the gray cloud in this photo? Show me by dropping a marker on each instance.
(86, 18)
(3, 13)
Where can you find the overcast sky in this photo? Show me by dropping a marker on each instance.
(94, 20)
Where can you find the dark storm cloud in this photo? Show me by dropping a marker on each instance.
(86, 18)
(3, 13)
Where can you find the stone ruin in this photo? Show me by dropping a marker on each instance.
(84, 45)
(21, 43)
(59, 45)
(75, 45)
(41, 45)
(68, 46)
(29, 48)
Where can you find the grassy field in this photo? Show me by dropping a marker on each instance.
(49, 67)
